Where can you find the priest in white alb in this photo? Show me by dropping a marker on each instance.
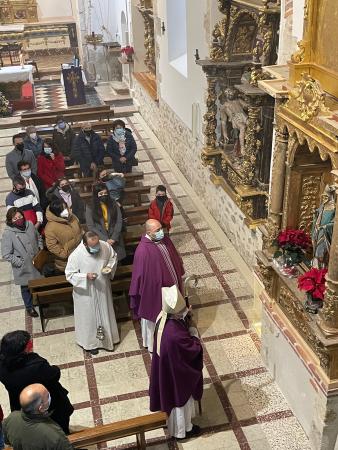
(90, 268)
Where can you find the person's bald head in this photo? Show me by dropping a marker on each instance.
(153, 226)
(35, 399)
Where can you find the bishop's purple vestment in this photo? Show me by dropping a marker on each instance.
(150, 274)
(176, 375)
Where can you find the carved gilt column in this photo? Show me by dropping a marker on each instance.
(252, 145)
(277, 187)
(210, 125)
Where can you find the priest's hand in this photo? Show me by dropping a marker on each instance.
(91, 276)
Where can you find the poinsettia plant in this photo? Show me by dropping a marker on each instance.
(293, 244)
(128, 50)
(313, 282)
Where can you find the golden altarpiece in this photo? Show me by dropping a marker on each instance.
(305, 160)
(239, 119)
(146, 9)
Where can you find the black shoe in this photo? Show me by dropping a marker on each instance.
(195, 431)
(94, 352)
(31, 312)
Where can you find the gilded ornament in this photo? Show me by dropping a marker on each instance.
(330, 305)
(299, 54)
(266, 274)
(308, 200)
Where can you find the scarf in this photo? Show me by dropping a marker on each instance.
(122, 143)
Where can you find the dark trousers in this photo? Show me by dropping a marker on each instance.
(26, 297)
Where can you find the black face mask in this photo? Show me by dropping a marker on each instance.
(88, 133)
(104, 198)
(66, 188)
(20, 191)
(162, 199)
(20, 147)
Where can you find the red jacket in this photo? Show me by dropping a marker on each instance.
(167, 213)
(50, 170)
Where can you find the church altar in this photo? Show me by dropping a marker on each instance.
(17, 84)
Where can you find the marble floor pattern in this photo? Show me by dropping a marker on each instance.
(242, 405)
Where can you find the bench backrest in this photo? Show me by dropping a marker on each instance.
(64, 112)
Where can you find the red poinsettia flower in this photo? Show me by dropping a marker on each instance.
(293, 238)
(313, 281)
(128, 50)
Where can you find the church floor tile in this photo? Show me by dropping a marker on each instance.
(242, 405)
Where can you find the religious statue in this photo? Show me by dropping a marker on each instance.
(232, 112)
(322, 228)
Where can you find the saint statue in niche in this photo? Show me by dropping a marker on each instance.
(322, 228)
(232, 113)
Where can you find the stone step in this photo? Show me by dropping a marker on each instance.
(119, 87)
(124, 111)
(119, 100)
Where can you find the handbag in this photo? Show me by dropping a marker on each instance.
(40, 259)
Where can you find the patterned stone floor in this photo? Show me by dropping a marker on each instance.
(242, 405)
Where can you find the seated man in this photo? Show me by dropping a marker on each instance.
(24, 199)
(176, 378)
(88, 150)
(32, 428)
(33, 141)
(33, 182)
(19, 153)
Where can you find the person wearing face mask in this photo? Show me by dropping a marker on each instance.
(20, 366)
(33, 183)
(23, 198)
(176, 379)
(20, 243)
(94, 316)
(156, 264)
(63, 233)
(63, 138)
(88, 150)
(121, 147)
(105, 218)
(162, 208)
(19, 153)
(51, 165)
(33, 141)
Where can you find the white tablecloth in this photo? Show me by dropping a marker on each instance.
(16, 73)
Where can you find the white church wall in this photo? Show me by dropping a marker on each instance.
(291, 28)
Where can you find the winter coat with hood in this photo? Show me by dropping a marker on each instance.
(35, 146)
(64, 139)
(18, 247)
(62, 237)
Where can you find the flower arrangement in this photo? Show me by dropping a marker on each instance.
(292, 244)
(128, 51)
(5, 108)
(313, 282)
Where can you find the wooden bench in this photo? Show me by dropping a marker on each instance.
(64, 112)
(72, 117)
(84, 182)
(99, 125)
(47, 291)
(132, 195)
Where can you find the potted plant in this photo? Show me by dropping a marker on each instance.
(128, 52)
(5, 107)
(292, 245)
(313, 283)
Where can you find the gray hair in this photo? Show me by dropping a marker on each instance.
(32, 406)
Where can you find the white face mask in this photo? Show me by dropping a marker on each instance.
(33, 136)
(65, 214)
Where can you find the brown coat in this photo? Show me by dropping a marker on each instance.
(62, 237)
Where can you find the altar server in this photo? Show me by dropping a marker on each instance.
(89, 269)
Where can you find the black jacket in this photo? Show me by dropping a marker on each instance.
(30, 368)
(85, 152)
(114, 153)
(41, 190)
(78, 205)
(64, 141)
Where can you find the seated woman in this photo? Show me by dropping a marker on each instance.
(51, 164)
(121, 147)
(63, 233)
(20, 243)
(105, 218)
(63, 190)
(114, 182)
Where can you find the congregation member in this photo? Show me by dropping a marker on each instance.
(32, 428)
(88, 150)
(23, 198)
(156, 264)
(161, 208)
(51, 165)
(105, 218)
(20, 366)
(63, 233)
(115, 183)
(64, 191)
(19, 153)
(20, 243)
(33, 141)
(63, 139)
(33, 182)
(89, 269)
(121, 147)
(176, 379)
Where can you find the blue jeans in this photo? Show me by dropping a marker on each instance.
(27, 298)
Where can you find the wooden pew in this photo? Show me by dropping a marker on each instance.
(136, 426)
(71, 117)
(82, 182)
(132, 195)
(99, 125)
(63, 112)
(47, 291)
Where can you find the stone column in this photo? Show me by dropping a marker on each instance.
(328, 318)
(277, 187)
